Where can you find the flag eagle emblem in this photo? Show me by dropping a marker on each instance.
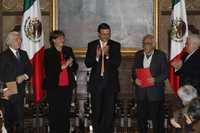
(33, 29)
(178, 30)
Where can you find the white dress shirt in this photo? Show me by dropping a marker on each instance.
(188, 56)
(14, 51)
(102, 44)
(147, 61)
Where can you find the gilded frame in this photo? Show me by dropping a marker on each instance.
(125, 51)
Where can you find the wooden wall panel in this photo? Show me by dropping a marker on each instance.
(193, 11)
(11, 15)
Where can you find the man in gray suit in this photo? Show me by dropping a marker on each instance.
(150, 99)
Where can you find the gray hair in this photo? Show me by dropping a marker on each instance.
(186, 93)
(10, 36)
(195, 39)
(148, 36)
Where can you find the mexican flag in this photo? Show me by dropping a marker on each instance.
(179, 33)
(33, 43)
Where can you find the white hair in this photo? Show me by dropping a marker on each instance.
(10, 37)
(187, 93)
(195, 39)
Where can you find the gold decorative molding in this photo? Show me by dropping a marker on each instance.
(81, 52)
(10, 4)
(156, 21)
(17, 5)
(54, 12)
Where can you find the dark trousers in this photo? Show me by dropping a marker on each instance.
(102, 108)
(187, 129)
(14, 113)
(59, 101)
(154, 111)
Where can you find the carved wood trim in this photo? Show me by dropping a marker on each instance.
(189, 12)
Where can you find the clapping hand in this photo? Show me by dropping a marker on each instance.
(151, 80)
(69, 62)
(98, 52)
(21, 78)
(106, 50)
(138, 82)
(177, 64)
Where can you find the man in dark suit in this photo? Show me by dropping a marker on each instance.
(15, 66)
(188, 66)
(150, 99)
(103, 56)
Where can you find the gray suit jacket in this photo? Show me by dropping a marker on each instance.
(159, 70)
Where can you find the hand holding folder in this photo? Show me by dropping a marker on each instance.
(10, 90)
(144, 76)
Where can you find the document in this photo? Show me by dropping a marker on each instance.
(10, 90)
(144, 74)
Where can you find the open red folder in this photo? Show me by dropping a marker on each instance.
(143, 74)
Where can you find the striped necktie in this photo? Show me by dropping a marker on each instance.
(17, 55)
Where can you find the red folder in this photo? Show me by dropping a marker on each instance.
(143, 74)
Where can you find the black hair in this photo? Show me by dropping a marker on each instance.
(103, 26)
(55, 34)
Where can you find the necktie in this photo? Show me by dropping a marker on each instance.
(17, 55)
(148, 55)
(102, 60)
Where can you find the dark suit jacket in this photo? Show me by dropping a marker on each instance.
(190, 70)
(9, 70)
(159, 71)
(52, 65)
(111, 65)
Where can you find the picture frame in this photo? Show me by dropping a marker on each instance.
(58, 15)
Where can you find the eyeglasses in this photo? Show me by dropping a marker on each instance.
(148, 43)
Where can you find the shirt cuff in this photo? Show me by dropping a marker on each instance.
(26, 76)
(97, 59)
(70, 65)
(176, 69)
